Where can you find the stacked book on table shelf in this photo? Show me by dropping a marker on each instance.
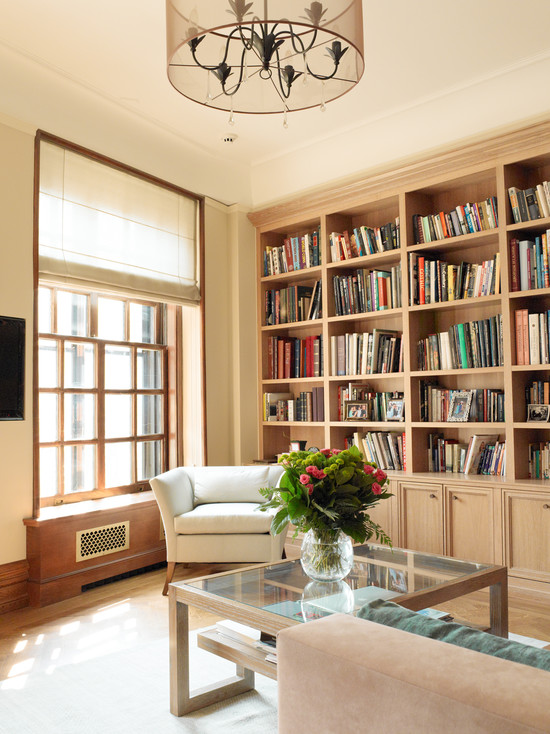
(290, 358)
(385, 448)
(434, 281)
(538, 393)
(539, 460)
(532, 330)
(487, 405)
(375, 404)
(367, 290)
(297, 253)
(464, 219)
(531, 203)
(529, 260)
(483, 454)
(364, 241)
(464, 346)
(307, 406)
(292, 304)
(366, 353)
(248, 636)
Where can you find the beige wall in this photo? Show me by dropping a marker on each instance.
(229, 277)
(16, 299)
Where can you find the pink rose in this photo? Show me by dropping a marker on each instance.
(304, 478)
(326, 452)
(380, 475)
(376, 488)
(311, 469)
(335, 451)
(368, 469)
(310, 489)
(320, 474)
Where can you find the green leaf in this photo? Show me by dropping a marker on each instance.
(344, 475)
(348, 489)
(280, 521)
(296, 508)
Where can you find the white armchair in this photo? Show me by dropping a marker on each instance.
(210, 515)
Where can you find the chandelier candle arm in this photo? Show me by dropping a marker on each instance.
(246, 44)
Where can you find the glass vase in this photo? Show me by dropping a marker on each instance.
(327, 555)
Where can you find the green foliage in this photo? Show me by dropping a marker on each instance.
(328, 491)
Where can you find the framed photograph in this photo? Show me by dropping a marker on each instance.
(395, 410)
(298, 445)
(538, 413)
(459, 409)
(355, 410)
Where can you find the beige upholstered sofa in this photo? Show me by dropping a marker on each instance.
(343, 674)
(210, 515)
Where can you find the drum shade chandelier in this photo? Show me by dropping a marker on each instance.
(264, 56)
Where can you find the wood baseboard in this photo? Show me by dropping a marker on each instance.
(13, 586)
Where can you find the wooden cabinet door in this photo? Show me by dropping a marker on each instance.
(527, 534)
(469, 524)
(421, 516)
(384, 514)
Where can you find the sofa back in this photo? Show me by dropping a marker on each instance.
(232, 483)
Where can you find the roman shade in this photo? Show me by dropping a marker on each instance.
(105, 228)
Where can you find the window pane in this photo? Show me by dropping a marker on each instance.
(48, 472)
(118, 464)
(118, 367)
(48, 417)
(45, 310)
(47, 363)
(118, 416)
(142, 323)
(80, 468)
(149, 414)
(111, 322)
(148, 369)
(72, 314)
(148, 459)
(80, 420)
(79, 365)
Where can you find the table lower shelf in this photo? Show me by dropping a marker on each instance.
(239, 653)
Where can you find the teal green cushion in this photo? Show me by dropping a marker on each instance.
(392, 615)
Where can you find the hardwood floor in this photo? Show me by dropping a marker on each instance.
(117, 615)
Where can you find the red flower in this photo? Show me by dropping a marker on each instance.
(304, 478)
(310, 489)
(335, 451)
(380, 475)
(326, 452)
(368, 469)
(376, 488)
(320, 474)
(311, 469)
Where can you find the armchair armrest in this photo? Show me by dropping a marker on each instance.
(174, 494)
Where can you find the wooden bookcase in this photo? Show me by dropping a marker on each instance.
(468, 174)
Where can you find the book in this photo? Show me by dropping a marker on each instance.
(237, 631)
(475, 451)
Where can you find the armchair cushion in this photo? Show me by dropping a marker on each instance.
(233, 484)
(224, 518)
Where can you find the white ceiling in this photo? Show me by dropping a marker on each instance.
(468, 65)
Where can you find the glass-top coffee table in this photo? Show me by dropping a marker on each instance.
(270, 597)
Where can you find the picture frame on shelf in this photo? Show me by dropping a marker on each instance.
(298, 445)
(459, 407)
(538, 413)
(395, 410)
(356, 410)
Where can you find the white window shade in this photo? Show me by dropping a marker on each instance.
(106, 229)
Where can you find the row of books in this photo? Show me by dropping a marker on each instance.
(284, 406)
(376, 403)
(248, 636)
(486, 405)
(289, 358)
(364, 241)
(464, 346)
(366, 353)
(481, 455)
(386, 449)
(532, 330)
(292, 304)
(538, 393)
(367, 290)
(531, 203)
(297, 253)
(464, 219)
(434, 281)
(539, 460)
(529, 263)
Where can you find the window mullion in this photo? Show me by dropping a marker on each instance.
(100, 429)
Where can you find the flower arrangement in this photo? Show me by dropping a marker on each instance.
(328, 492)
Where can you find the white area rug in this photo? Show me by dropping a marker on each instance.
(128, 693)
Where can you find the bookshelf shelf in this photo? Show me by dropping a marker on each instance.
(474, 174)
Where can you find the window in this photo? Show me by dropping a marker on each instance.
(102, 394)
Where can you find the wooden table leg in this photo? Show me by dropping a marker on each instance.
(182, 701)
(498, 602)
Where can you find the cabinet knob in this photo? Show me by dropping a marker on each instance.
(433, 496)
(546, 507)
(455, 497)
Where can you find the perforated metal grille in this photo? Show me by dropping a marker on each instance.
(102, 541)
